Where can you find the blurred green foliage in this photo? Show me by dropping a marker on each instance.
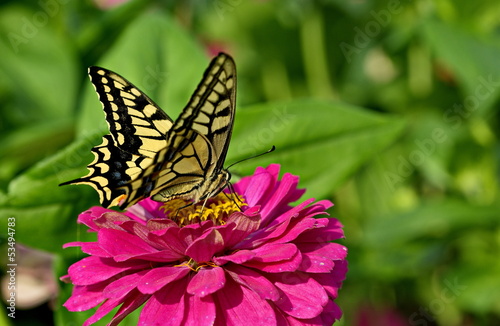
(389, 108)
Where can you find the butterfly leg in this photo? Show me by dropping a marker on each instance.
(231, 188)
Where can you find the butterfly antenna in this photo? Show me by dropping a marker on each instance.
(255, 156)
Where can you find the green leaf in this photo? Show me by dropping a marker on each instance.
(434, 219)
(39, 71)
(39, 65)
(25, 146)
(46, 213)
(323, 142)
(473, 60)
(479, 286)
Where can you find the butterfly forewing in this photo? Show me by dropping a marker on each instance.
(211, 109)
(146, 154)
(191, 166)
(136, 123)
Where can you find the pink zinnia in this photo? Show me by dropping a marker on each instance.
(268, 264)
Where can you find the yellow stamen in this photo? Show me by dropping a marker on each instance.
(194, 266)
(216, 209)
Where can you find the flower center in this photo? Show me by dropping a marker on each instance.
(194, 266)
(216, 209)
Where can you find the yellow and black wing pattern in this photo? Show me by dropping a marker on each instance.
(147, 154)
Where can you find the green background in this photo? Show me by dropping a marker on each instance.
(388, 108)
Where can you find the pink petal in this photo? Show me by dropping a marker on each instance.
(190, 233)
(238, 257)
(332, 281)
(94, 249)
(330, 250)
(331, 230)
(92, 270)
(111, 220)
(124, 285)
(85, 297)
(340, 270)
(275, 229)
(90, 248)
(103, 310)
(169, 239)
(290, 264)
(316, 321)
(283, 319)
(242, 306)
(109, 305)
(318, 207)
(301, 296)
(167, 305)
(275, 258)
(281, 196)
(90, 215)
(145, 210)
(204, 248)
(274, 252)
(244, 224)
(254, 281)
(331, 312)
(159, 256)
(312, 263)
(206, 281)
(288, 232)
(289, 215)
(141, 231)
(261, 183)
(122, 245)
(73, 244)
(159, 277)
(200, 311)
(128, 306)
(273, 170)
(158, 224)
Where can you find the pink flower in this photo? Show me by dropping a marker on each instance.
(268, 264)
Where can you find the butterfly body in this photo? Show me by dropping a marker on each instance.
(147, 154)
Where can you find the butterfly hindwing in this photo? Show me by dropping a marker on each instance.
(111, 169)
(146, 154)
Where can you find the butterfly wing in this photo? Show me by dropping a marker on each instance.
(210, 111)
(138, 129)
(191, 165)
(136, 123)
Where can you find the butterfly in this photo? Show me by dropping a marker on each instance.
(147, 154)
